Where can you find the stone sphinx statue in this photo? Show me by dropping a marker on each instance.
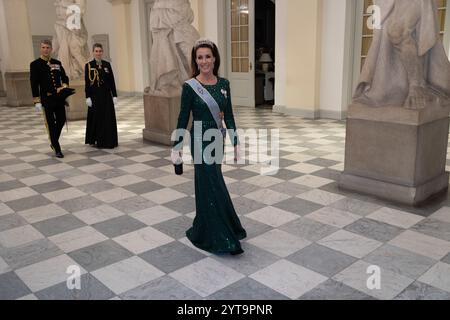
(70, 40)
(406, 64)
(173, 38)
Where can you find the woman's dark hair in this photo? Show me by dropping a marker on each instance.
(97, 45)
(215, 51)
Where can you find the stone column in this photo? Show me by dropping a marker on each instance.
(19, 52)
(2, 88)
(124, 66)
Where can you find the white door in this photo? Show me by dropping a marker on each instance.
(241, 51)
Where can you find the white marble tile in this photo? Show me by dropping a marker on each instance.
(272, 216)
(64, 194)
(125, 180)
(288, 278)
(350, 243)
(206, 276)
(263, 181)
(358, 276)
(81, 180)
(43, 178)
(438, 276)
(29, 297)
(155, 215)
(267, 196)
(143, 240)
(54, 168)
(311, 181)
(163, 196)
(135, 168)
(16, 194)
(127, 274)
(35, 157)
(442, 214)
(4, 209)
(17, 167)
(188, 243)
(170, 180)
(304, 168)
(422, 244)
(4, 267)
(299, 157)
(395, 217)
(279, 242)
(114, 195)
(18, 236)
(47, 273)
(107, 158)
(321, 197)
(333, 217)
(143, 158)
(42, 213)
(93, 168)
(4, 177)
(98, 214)
(77, 239)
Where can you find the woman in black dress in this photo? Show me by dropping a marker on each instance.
(101, 99)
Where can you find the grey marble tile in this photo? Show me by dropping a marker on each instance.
(120, 163)
(158, 163)
(11, 221)
(10, 185)
(355, 206)
(100, 255)
(91, 289)
(309, 229)
(322, 162)
(333, 290)
(290, 188)
(253, 227)
(243, 205)
(28, 203)
(172, 256)
(446, 259)
(96, 187)
(175, 228)
(164, 288)
(434, 228)
(82, 162)
(11, 287)
(30, 253)
(143, 187)
(79, 204)
(58, 225)
(27, 173)
(247, 289)
(298, 206)
(118, 226)
(374, 229)
(241, 188)
(109, 174)
(422, 291)
(131, 205)
(400, 261)
(50, 186)
(183, 206)
(187, 188)
(322, 260)
(239, 174)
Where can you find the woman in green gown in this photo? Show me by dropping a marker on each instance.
(216, 227)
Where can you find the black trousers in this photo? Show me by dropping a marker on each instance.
(55, 115)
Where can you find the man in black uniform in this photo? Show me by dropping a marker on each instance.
(48, 79)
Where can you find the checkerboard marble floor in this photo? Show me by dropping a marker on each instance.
(121, 215)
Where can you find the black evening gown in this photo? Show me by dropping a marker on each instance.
(101, 126)
(216, 228)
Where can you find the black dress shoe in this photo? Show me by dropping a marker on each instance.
(59, 154)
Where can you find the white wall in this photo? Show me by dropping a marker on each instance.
(42, 17)
(281, 9)
(3, 39)
(332, 88)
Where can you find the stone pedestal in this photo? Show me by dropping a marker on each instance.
(77, 109)
(18, 88)
(2, 88)
(161, 116)
(395, 153)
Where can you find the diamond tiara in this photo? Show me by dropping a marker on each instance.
(204, 41)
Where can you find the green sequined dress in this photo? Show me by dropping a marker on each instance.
(216, 227)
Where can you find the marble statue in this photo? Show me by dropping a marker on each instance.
(173, 37)
(406, 64)
(70, 40)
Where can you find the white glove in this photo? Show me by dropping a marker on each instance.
(89, 102)
(116, 101)
(176, 156)
(38, 107)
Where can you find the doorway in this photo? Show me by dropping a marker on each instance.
(264, 53)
